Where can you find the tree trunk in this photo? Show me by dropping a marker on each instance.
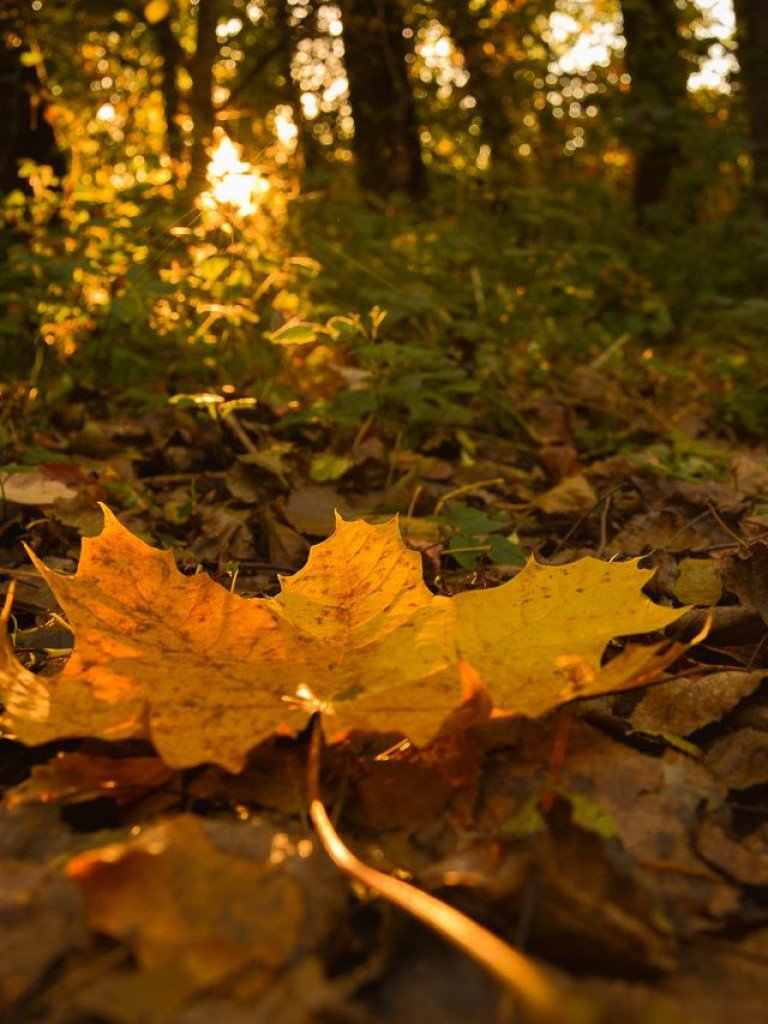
(752, 36)
(26, 133)
(386, 140)
(201, 95)
(488, 73)
(658, 94)
(173, 57)
(308, 150)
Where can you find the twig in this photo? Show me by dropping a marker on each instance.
(515, 971)
(611, 350)
(253, 72)
(238, 430)
(605, 512)
(585, 516)
(465, 489)
(753, 658)
(742, 544)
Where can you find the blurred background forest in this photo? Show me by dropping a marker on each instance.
(368, 209)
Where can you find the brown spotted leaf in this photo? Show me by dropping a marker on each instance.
(206, 674)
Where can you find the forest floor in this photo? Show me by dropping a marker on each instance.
(622, 841)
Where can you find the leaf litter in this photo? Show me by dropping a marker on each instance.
(646, 873)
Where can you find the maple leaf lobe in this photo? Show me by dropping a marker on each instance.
(207, 674)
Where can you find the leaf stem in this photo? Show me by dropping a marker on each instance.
(465, 489)
(511, 968)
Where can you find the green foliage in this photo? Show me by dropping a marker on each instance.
(473, 533)
(343, 312)
(332, 310)
(118, 291)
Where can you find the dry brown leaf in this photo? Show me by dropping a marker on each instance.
(35, 488)
(679, 707)
(572, 494)
(740, 760)
(78, 777)
(40, 920)
(748, 579)
(177, 901)
(749, 867)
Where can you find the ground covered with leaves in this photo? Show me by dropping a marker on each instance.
(157, 859)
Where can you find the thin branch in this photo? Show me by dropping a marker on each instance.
(514, 970)
(252, 73)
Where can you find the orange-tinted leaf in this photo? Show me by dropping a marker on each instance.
(374, 651)
(176, 900)
(82, 777)
(200, 670)
(356, 634)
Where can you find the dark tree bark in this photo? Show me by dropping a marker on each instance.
(201, 95)
(658, 96)
(173, 58)
(386, 141)
(26, 133)
(308, 148)
(752, 37)
(487, 73)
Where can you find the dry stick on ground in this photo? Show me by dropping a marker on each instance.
(603, 498)
(515, 971)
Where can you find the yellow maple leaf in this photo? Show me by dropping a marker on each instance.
(206, 674)
(538, 640)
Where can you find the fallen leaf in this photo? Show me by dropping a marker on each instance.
(748, 579)
(746, 866)
(310, 509)
(300, 994)
(327, 466)
(176, 900)
(537, 641)
(218, 911)
(286, 547)
(713, 986)
(271, 460)
(681, 706)
(749, 471)
(244, 484)
(35, 488)
(146, 653)
(224, 536)
(41, 920)
(207, 674)
(82, 777)
(653, 804)
(560, 461)
(739, 760)
(592, 908)
(573, 494)
(698, 582)
(33, 832)
(664, 529)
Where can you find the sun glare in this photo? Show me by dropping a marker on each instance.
(233, 182)
(285, 129)
(583, 39)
